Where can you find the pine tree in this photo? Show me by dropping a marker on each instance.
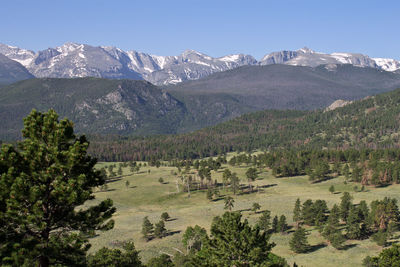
(193, 238)
(235, 184)
(264, 222)
(299, 243)
(209, 194)
(345, 205)
(282, 225)
(297, 212)
(226, 176)
(147, 228)
(229, 203)
(332, 189)
(42, 183)
(161, 261)
(165, 216)
(336, 239)
(159, 229)
(354, 228)
(119, 170)
(251, 175)
(307, 212)
(255, 207)
(331, 231)
(275, 223)
(234, 242)
(115, 257)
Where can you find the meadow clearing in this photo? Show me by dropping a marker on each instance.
(146, 196)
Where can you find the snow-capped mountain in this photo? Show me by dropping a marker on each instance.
(81, 60)
(308, 57)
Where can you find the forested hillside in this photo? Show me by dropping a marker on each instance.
(129, 107)
(372, 122)
(292, 87)
(95, 105)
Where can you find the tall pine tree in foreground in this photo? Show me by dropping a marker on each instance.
(44, 181)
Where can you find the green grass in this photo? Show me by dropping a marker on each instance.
(147, 197)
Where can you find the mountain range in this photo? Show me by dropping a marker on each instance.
(371, 123)
(73, 60)
(137, 107)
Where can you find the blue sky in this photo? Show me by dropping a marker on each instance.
(213, 27)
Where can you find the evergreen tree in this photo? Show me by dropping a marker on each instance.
(251, 175)
(282, 225)
(331, 231)
(161, 261)
(235, 184)
(275, 223)
(307, 212)
(229, 203)
(336, 239)
(345, 205)
(226, 176)
(119, 170)
(193, 238)
(115, 257)
(165, 216)
(299, 243)
(159, 229)
(353, 226)
(147, 228)
(209, 194)
(319, 208)
(332, 189)
(264, 222)
(297, 212)
(235, 243)
(387, 258)
(44, 182)
(255, 207)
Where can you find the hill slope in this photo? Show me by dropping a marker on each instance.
(95, 105)
(373, 122)
(292, 87)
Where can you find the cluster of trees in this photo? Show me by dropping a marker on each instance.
(278, 224)
(44, 183)
(232, 242)
(370, 123)
(367, 166)
(149, 231)
(345, 221)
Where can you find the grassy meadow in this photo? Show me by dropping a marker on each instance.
(146, 196)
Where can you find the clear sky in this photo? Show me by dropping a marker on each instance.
(217, 28)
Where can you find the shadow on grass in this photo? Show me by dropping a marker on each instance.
(336, 193)
(316, 247)
(346, 247)
(173, 232)
(114, 179)
(171, 219)
(242, 210)
(267, 185)
(107, 190)
(327, 178)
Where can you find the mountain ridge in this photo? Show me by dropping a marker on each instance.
(133, 107)
(80, 60)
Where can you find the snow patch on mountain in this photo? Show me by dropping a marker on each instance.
(79, 60)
